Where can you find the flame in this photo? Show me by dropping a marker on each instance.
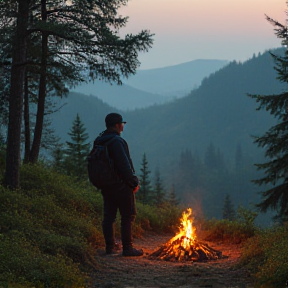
(186, 230)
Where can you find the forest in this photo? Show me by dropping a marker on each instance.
(221, 149)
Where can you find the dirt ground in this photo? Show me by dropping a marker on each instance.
(140, 272)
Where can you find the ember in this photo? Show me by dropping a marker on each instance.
(184, 246)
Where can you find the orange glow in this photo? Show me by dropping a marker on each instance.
(186, 230)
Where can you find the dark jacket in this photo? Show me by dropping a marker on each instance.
(119, 153)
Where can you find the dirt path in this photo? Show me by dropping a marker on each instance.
(140, 272)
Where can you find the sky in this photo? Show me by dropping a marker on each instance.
(187, 30)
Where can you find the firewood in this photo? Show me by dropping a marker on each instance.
(175, 251)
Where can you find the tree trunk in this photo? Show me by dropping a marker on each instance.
(26, 122)
(13, 159)
(42, 92)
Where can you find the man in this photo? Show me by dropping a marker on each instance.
(121, 194)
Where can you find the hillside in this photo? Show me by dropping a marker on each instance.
(153, 86)
(218, 111)
(123, 97)
(177, 80)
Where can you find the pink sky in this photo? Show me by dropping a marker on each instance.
(186, 30)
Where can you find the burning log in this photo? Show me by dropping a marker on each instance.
(184, 246)
(174, 251)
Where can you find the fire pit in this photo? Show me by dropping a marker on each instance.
(184, 246)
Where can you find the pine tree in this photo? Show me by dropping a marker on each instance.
(145, 187)
(172, 199)
(275, 140)
(18, 56)
(159, 193)
(228, 209)
(77, 150)
(82, 35)
(57, 161)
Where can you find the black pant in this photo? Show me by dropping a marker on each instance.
(122, 198)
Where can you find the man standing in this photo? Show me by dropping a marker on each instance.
(121, 193)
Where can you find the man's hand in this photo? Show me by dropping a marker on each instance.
(136, 189)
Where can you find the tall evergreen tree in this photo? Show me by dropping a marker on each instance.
(77, 150)
(19, 55)
(159, 193)
(57, 161)
(172, 198)
(275, 140)
(210, 157)
(93, 54)
(145, 186)
(82, 35)
(228, 209)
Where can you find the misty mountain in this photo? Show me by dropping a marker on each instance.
(219, 111)
(177, 80)
(153, 86)
(123, 96)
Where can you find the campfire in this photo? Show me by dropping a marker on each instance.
(184, 246)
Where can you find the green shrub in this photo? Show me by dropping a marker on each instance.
(236, 231)
(265, 255)
(158, 219)
(49, 230)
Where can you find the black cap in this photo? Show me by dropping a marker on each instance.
(113, 118)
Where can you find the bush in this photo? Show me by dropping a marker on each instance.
(265, 255)
(49, 230)
(158, 219)
(236, 231)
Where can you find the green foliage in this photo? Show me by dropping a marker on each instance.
(145, 187)
(172, 198)
(228, 209)
(77, 151)
(275, 140)
(236, 231)
(49, 230)
(157, 219)
(158, 190)
(265, 255)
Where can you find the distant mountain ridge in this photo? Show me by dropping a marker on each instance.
(177, 80)
(154, 86)
(219, 111)
(123, 97)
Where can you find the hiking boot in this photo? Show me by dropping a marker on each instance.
(132, 252)
(113, 249)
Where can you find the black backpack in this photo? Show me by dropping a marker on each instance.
(100, 166)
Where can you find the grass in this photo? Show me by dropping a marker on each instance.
(51, 228)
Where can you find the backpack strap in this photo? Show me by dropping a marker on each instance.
(110, 140)
(107, 142)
